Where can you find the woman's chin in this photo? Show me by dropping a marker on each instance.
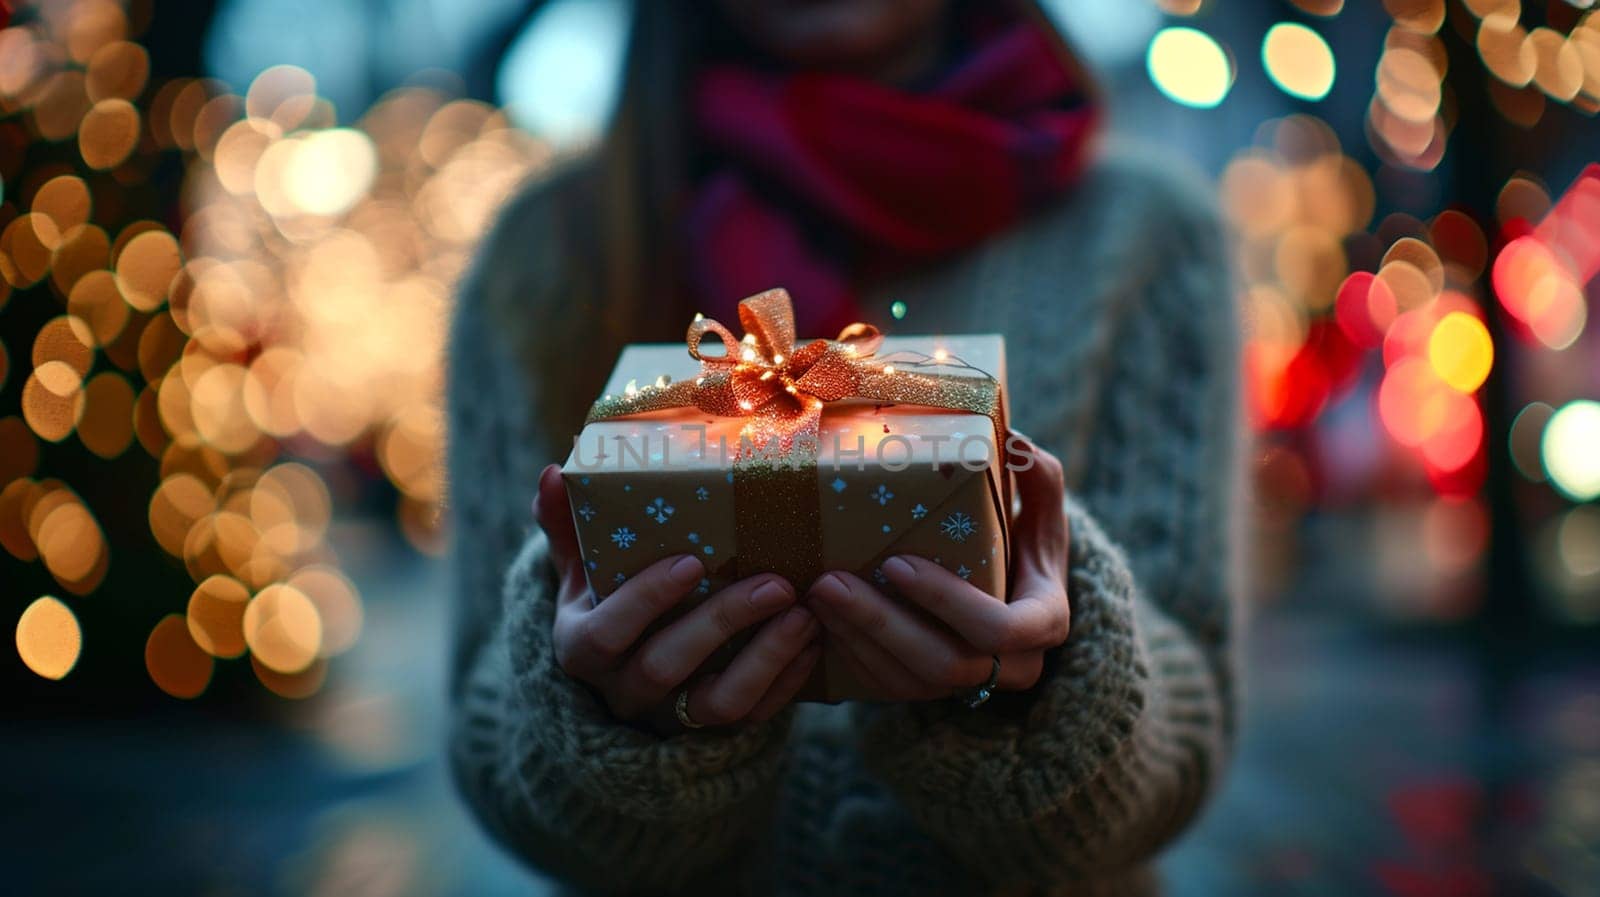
(849, 35)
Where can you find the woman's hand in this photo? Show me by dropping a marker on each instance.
(945, 639)
(603, 643)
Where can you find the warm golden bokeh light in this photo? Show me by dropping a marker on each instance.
(65, 200)
(117, 70)
(108, 133)
(302, 684)
(1420, 16)
(145, 268)
(67, 340)
(26, 245)
(1298, 60)
(283, 629)
(48, 638)
(1324, 8)
(337, 604)
(107, 425)
(216, 616)
(175, 663)
(52, 400)
(178, 502)
(1504, 47)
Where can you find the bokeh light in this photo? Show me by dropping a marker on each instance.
(1569, 449)
(1189, 67)
(48, 638)
(1298, 60)
(297, 311)
(1461, 351)
(283, 629)
(175, 663)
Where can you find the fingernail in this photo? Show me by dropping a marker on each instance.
(897, 567)
(828, 587)
(549, 471)
(687, 570)
(800, 620)
(771, 595)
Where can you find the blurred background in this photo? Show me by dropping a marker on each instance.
(229, 234)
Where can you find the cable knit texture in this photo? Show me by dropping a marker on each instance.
(1122, 355)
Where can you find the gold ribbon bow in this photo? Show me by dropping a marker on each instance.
(781, 391)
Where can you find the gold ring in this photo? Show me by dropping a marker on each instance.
(681, 707)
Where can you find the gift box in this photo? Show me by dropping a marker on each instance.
(774, 455)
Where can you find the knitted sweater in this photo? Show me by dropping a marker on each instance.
(1121, 344)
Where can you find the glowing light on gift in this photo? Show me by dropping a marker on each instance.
(1568, 450)
(49, 639)
(1189, 67)
(1298, 60)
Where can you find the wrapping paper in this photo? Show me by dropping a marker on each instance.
(889, 479)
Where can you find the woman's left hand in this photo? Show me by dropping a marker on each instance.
(943, 639)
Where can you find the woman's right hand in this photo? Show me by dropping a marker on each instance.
(640, 678)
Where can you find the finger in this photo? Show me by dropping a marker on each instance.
(729, 696)
(992, 626)
(600, 636)
(787, 685)
(554, 515)
(868, 662)
(1020, 672)
(668, 658)
(1040, 529)
(927, 650)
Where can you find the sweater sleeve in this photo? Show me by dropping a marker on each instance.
(545, 768)
(1116, 748)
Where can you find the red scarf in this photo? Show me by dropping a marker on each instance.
(825, 181)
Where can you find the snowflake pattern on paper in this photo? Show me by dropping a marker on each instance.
(659, 510)
(702, 494)
(624, 537)
(838, 484)
(587, 512)
(881, 495)
(958, 527)
(919, 512)
(963, 572)
(619, 579)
